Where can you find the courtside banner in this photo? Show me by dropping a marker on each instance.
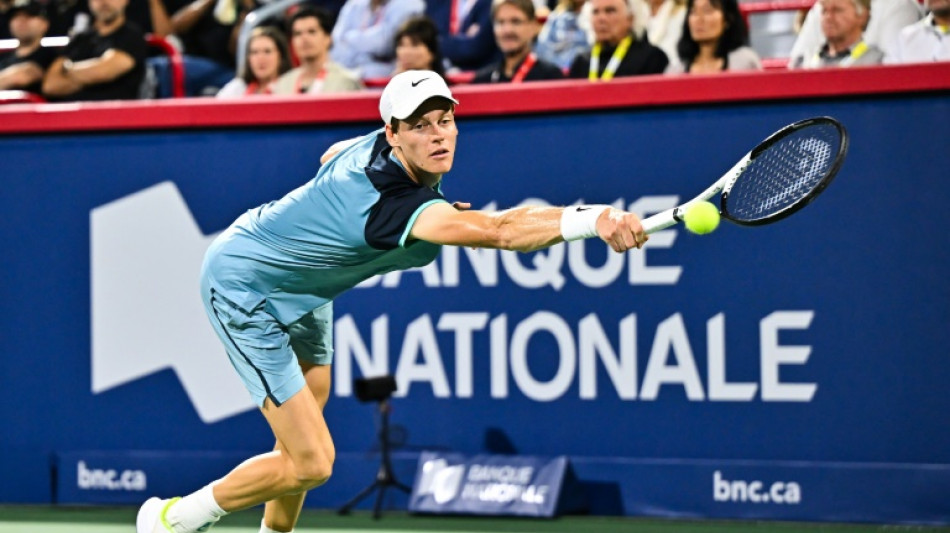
(784, 490)
(125, 477)
(451, 483)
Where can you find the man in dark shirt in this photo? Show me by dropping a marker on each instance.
(206, 34)
(516, 28)
(106, 62)
(23, 67)
(617, 51)
(465, 32)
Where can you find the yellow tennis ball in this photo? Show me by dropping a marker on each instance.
(702, 218)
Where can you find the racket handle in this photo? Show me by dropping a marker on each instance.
(670, 217)
(661, 220)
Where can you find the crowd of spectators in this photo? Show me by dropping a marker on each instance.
(326, 46)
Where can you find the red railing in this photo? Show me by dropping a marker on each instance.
(755, 8)
(542, 97)
(750, 8)
(175, 62)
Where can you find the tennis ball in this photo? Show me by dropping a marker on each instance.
(702, 218)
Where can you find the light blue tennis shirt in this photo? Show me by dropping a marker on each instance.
(349, 223)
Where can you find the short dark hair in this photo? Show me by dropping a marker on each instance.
(32, 8)
(421, 29)
(275, 35)
(525, 6)
(324, 18)
(734, 35)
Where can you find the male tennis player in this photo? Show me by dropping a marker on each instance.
(269, 280)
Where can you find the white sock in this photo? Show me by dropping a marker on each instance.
(265, 529)
(194, 512)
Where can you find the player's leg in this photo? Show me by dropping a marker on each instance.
(260, 350)
(281, 514)
(311, 338)
(267, 356)
(303, 462)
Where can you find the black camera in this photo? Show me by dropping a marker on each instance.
(374, 389)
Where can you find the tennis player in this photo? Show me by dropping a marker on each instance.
(269, 280)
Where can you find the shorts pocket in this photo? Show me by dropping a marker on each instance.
(257, 329)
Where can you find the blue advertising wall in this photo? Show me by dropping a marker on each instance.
(809, 353)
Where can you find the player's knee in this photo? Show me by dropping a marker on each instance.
(313, 470)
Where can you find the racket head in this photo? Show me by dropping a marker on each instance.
(785, 172)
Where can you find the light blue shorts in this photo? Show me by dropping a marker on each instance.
(266, 353)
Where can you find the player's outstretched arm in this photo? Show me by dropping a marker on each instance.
(529, 228)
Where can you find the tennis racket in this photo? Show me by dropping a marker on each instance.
(781, 175)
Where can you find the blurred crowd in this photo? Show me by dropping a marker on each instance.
(116, 49)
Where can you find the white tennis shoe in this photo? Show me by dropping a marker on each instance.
(151, 517)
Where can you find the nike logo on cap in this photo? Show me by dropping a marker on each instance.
(418, 82)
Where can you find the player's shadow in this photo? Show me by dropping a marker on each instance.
(497, 442)
(601, 497)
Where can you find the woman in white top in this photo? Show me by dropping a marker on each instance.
(663, 22)
(715, 39)
(267, 56)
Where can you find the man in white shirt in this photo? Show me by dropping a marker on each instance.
(887, 19)
(364, 34)
(925, 41)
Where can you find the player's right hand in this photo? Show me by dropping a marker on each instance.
(621, 230)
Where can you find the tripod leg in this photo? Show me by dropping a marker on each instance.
(377, 509)
(401, 487)
(356, 499)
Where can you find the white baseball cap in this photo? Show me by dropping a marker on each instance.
(407, 90)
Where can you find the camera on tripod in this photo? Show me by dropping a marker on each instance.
(374, 389)
(380, 390)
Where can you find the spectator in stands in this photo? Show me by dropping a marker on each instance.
(5, 7)
(364, 34)
(843, 23)
(417, 46)
(516, 27)
(617, 51)
(267, 58)
(22, 68)
(310, 38)
(663, 21)
(562, 37)
(209, 28)
(715, 39)
(468, 41)
(62, 15)
(884, 25)
(106, 62)
(924, 41)
(151, 16)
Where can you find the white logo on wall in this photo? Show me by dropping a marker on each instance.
(489, 483)
(146, 312)
(109, 479)
(147, 316)
(440, 480)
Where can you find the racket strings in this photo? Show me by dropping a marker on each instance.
(784, 174)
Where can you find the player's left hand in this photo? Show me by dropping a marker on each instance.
(621, 230)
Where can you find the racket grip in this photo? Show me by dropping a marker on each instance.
(660, 221)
